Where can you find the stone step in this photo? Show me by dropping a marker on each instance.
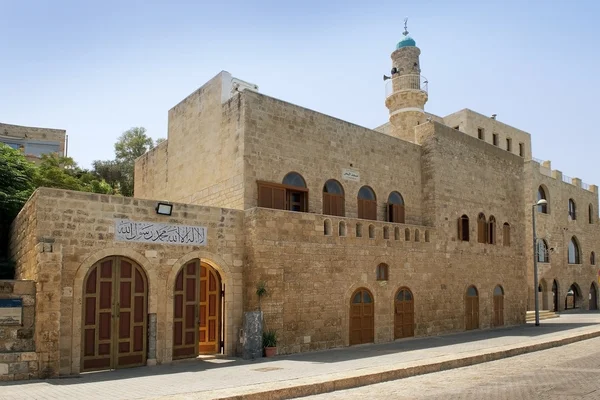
(544, 314)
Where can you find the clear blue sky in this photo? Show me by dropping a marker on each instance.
(99, 68)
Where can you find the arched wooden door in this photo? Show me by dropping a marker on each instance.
(593, 298)
(115, 315)
(362, 321)
(404, 316)
(197, 311)
(498, 306)
(472, 308)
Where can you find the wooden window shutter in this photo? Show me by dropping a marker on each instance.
(271, 196)
(481, 230)
(361, 208)
(399, 213)
(327, 203)
(279, 198)
(372, 209)
(339, 205)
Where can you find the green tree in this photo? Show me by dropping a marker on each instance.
(16, 182)
(63, 173)
(131, 144)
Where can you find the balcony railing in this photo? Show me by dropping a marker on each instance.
(406, 82)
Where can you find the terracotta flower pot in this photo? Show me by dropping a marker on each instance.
(270, 351)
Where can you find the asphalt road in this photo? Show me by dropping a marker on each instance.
(567, 372)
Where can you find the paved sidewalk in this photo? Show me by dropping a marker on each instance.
(311, 373)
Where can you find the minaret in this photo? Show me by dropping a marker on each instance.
(407, 89)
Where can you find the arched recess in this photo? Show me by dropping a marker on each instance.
(115, 315)
(555, 295)
(481, 228)
(574, 251)
(574, 298)
(491, 231)
(362, 317)
(471, 308)
(404, 313)
(593, 297)
(231, 305)
(333, 198)
(76, 344)
(367, 203)
(395, 208)
(543, 293)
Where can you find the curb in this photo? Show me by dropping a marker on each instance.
(400, 373)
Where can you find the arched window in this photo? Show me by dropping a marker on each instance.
(542, 251)
(367, 203)
(386, 232)
(395, 208)
(463, 228)
(506, 234)
(491, 231)
(481, 229)
(382, 272)
(407, 235)
(590, 214)
(542, 195)
(358, 230)
(572, 215)
(574, 257)
(333, 198)
(593, 258)
(291, 194)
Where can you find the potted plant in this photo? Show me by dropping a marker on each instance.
(270, 343)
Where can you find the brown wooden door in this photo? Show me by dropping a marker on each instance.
(472, 309)
(593, 298)
(210, 310)
(367, 209)
(498, 306)
(362, 321)
(396, 213)
(404, 318)
(115, 310)
(185, 313)
(333, 204)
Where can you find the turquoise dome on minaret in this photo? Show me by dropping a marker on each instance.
(407, 41)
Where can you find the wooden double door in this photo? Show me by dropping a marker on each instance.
(404, 314)
(472, 309)
(362, 317)
(115, 315)
(198, 312)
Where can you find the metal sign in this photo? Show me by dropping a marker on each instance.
(11, 311)
(154, 232)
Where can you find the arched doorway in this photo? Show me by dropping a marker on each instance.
(593, 298)
(498, 306)
(404, 316)
(197, 311)
(115, 313)
(362, 321)
(554, 296)
(573, 299)
(472, 309)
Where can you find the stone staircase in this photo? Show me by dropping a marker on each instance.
(544, 314)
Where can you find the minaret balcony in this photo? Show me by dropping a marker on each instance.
(401, 83)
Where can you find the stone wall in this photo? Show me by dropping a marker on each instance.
(281, 137)
(202, 162)
(74, 230)
(30, 133)
(557, 229)
(18, 357)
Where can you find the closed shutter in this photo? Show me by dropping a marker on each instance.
(481, 231)
(460, 230)
(370, 209)
(327, 203)
(271, 196)
(396, 213)
(361, 209)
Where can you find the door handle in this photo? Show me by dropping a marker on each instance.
(118, 310)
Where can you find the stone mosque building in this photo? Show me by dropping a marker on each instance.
(419, 227)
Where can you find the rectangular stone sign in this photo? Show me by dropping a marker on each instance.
(155, 232)
(350, 175)
(11, 311)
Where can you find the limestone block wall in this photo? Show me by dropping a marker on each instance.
(22, 242)
(202, 162)
(311, 275)
(76, 229)
(30, 133)
(557, 229)
(18, 358)
(281, 137)
(470, 121)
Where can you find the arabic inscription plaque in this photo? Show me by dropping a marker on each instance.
(155, 232)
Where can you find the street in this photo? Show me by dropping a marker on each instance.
(567, 372)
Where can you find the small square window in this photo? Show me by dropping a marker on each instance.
(480, 134)
(495, 139)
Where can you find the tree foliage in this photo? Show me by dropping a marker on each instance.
(16, 181)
